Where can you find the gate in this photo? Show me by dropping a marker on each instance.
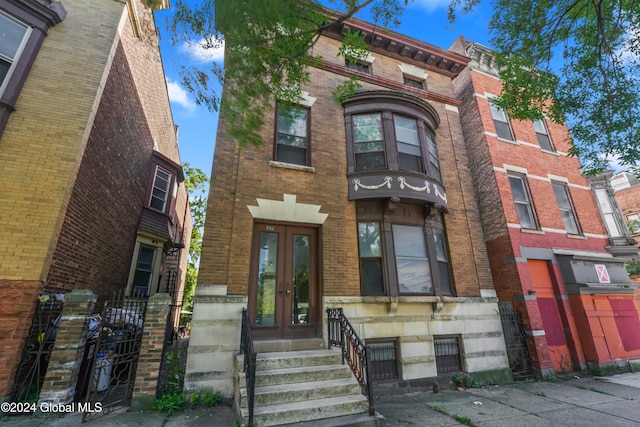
(38, 348)
(515, 340)
(113, 356)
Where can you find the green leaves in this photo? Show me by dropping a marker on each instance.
(595, 47)
(269, 49)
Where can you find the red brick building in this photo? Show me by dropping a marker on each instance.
(93, 195)
(551, 255)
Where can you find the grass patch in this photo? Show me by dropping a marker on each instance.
(444, 410)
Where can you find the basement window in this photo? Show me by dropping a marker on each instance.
(447, 349)
(383, 356)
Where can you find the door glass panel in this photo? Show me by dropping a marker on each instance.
(301, 270)
(267, 266)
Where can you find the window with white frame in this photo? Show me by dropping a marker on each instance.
(542, 133)
(501, 122)
(608, 213)
(633, 222)
(566, 207)
(13, 37)
(522, 199)
(143, 276)
(161, 187)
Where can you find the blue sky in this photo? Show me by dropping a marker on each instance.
(424, 20)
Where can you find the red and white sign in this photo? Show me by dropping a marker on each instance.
(603, 274)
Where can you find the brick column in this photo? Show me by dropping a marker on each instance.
(153, 336)
(62, 374)
(16, 315)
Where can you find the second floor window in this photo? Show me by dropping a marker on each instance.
(161, 187)
(13, 37)
(403, 146)
(566, 208)
(522, 199)
(368, 142)
(501, 122)
(292, 135)
(543, 135)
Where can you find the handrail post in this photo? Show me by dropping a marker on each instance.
(249, 362)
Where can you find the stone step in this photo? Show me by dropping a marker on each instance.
(313, 390)
(296, 359)
(296, 412)
(302, 374)
(268, 346)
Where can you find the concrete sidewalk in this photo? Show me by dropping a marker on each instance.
(585, 402)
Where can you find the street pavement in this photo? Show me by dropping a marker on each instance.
(581, 401)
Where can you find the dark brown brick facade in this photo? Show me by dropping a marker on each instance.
(99, 231)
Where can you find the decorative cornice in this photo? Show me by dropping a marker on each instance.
(50, 12)
(404, 48)
(482, 59)
(389, 84)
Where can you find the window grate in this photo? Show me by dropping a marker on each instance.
(383, 359)
(418, 84)
(447, 351)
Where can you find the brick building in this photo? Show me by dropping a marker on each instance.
(93, 195)
(366, 205)
(551, 255)
(627, 193)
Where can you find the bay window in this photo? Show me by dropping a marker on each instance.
(368, 142)
(387, 130)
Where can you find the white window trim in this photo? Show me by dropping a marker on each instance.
(168, 191)
(157, 263)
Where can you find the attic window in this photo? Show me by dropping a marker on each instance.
(413, 82)
(361, 66)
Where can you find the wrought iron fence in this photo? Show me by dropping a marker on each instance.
(249, 366)
(112, 355)
(38, 347)
(354, 351)
(515, 341)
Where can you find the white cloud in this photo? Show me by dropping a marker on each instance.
(432, 5)
(179, 96)
(196, 50)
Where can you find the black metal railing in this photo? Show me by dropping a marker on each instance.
(354, 351)
(249, 367)
(38, 348)
(112, 355)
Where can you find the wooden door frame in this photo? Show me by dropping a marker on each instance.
(283, 329)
